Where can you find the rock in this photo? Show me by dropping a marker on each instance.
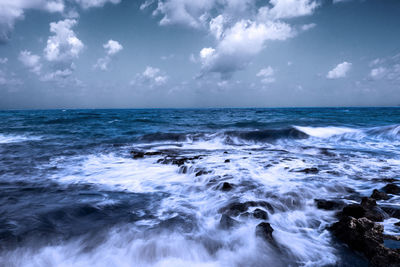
(199, 173)
(227, 222)
(329, 204)
(397, 224)
(226, 186)
(137, 154)
(236, 208)
(378, 195)
(260, 214)
(264, 230)
(309, 170)
(356, 228)
(392, 211)
(227, 161)
(391, 189)
(225, 152)
(183, 169)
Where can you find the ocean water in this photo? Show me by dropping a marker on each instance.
(71, 193)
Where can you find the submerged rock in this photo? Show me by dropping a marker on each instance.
(260, 214)
(227, 161)
(236, 208)
(329, 204)
(391, 189)
(227, 222)
(226, 186)
(309, 170)
(264, 230)
(378, 195)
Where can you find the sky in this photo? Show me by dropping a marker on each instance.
(199, 53)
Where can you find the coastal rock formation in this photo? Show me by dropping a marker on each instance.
(358, 228)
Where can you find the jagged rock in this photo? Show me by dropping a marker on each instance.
(378, 195)
(356, 228)
(329, 204)
(392, 211)
(391, 189)
(227, 222)
(260, 214)
(264, 230)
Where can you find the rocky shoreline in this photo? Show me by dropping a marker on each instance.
(358, 227)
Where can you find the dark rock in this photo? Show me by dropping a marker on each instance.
(183, 169)
(356, 228)
(226, 186)
(236, 208)
(260, 214)
(264, 230)
(392, 211)
(199, 173)
(227, 161)
(309, 170)
(378, 195)
(391, 189)
(329, 204)
(397, 224)
(137, 154)
(227, 222)
(225, 152)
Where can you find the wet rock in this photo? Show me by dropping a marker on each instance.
(397, 224)
(236, 208)
(260, 214)
(264, 230)
(226, 186)
(183, 169)
(227, 161)
(137, 154)
(309, 170)
(202, 172)
(179, 161)
(227, 222)
(225, 152)
(391, 189)
(329, 204)
(392, 211)
(356, 228)
(378, 195)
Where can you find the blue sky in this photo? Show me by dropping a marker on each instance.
(210, 53)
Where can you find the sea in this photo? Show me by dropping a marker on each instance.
(158, 187)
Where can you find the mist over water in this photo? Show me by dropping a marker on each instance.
(72, 194)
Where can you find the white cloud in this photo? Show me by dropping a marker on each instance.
(377, 73)
(307, 27)
(30, 61)
(284, 9)
(266, 75)
(63, 45)
(112, 47)
(240, 43)
(95, 3)
(12, 10)
(339, 71)
(217, 26)
(151, 77)
(3, 60)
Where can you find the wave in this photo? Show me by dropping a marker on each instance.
(6, 139)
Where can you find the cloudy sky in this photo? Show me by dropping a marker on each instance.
(199, 53)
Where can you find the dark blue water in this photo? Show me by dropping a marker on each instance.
(72, 193)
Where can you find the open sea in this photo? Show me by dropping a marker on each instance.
(158, 187)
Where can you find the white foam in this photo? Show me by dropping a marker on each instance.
(5, 139)
(325, 132)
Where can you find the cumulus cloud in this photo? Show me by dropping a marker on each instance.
(112, 47)
(151, 77)
(340, 71)
(31, 61)
(284, 9)
(3, 60)
(239, 43)
(266, 75)
(12, 10)
(377, 73)
(63, 45)
(95, 3)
